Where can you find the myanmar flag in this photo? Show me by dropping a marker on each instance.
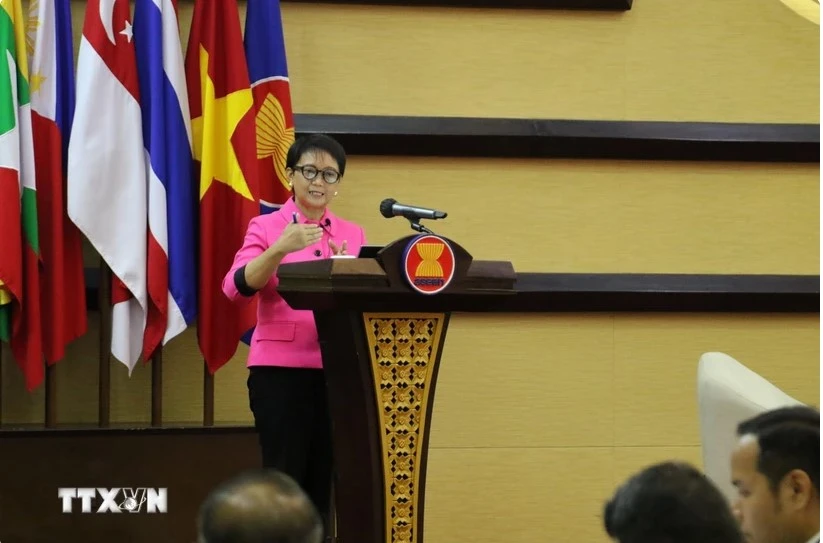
(19, 246)
(225, 152)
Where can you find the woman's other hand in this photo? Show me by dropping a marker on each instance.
(338, 250)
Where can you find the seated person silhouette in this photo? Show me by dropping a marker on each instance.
(261, 506)
(670, 502)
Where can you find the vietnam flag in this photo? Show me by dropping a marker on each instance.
(63, 291)
(223, 135)
(19, 238)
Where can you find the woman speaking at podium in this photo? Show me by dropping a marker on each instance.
(287, 393)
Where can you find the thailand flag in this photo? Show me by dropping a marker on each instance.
(107, 170)
(172, 194)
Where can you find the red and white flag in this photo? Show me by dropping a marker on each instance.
(106, 167)
(63, 291)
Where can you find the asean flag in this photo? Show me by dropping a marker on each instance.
(273, 116)
(223, 136)
(274, 119)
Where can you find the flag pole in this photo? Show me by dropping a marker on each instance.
(104, 356)
(51, 396)
(157, 387)
(1, 384)
(208, 396)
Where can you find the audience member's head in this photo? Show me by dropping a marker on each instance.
(776, 469)
(259, 507)
(670, 503)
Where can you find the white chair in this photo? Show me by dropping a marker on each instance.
(728, 393)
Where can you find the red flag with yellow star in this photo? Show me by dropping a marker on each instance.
(225, 152)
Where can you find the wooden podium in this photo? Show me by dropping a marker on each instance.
(382, 323)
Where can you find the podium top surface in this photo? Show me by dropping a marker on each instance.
(367, 275)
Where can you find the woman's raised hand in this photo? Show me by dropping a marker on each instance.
(296, 237)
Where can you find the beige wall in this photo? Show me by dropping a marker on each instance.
(537, 417)
(701, 60)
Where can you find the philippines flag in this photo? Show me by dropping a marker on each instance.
(172, 193)
(107, 171)
(63, 291)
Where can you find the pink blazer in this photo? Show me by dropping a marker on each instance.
(284, 336)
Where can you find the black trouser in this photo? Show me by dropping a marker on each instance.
(291, 416)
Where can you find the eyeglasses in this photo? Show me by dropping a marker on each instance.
(310, 172)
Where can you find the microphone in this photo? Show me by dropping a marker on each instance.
(390, 208)
(325, 225)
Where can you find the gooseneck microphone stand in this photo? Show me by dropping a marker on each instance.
(416, 226)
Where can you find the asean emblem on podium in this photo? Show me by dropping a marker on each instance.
(428, 264)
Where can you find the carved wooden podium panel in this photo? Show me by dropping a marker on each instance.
(382, 324)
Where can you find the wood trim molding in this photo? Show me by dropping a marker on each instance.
(139, 429)
(580, 139)
(594, 5)
(667, 293)
(573, 292)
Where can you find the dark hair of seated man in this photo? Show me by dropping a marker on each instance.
(776, 470)
(788, 438)
(671, 502)
(264, 506)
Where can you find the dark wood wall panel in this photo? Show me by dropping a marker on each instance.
(668, 292)
(594, 5)
(546, 138)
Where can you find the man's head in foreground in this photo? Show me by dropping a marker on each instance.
(776, 470)
(670, 502)
(263, 506)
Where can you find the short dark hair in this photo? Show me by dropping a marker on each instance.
(313, 143)
(789, 439)
(259, 506)
(670, 502)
